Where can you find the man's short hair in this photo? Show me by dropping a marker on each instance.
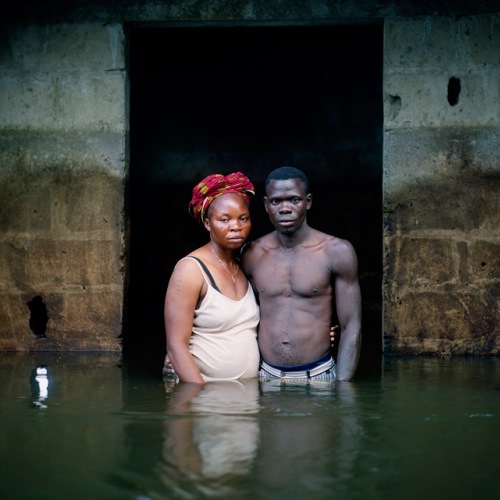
(286, 173)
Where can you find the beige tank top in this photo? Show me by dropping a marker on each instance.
(224, 338)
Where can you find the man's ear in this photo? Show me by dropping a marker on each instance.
(309, 199)
(265, 203)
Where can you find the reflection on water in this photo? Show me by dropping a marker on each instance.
(39, 381)
(211, 436)
(310, 439)
(93, 426)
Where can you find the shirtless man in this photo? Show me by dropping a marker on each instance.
(296, 271)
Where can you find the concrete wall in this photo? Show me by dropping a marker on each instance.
(441, 185)
(62, 166)
(63, 162)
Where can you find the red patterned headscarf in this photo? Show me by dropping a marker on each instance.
(215, 185)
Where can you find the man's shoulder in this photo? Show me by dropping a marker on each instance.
(337, 244)
(340, 253)
(334, 247)
(261, 244)
(329, 240)
(254, 250)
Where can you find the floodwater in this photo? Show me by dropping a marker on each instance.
(97, 426)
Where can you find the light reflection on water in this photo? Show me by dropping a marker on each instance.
(92, 426)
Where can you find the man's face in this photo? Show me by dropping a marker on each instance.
(287, 203)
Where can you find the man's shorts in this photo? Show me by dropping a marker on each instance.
(322, 370)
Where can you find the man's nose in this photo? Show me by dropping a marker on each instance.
(285, 207)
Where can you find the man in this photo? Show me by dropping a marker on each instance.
(296, 272)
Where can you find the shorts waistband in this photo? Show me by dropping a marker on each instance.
(307, 370)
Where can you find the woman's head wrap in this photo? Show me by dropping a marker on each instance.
(216, 185)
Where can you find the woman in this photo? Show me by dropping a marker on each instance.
(211, 314)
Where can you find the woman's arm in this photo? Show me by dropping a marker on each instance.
(183, 293)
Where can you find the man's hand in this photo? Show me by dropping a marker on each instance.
(333, 332)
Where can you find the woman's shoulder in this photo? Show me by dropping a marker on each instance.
(195, 258)
(197, 267)
(189, 265)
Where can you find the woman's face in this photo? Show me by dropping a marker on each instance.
(228, 221)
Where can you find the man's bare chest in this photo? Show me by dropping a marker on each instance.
(292, 275)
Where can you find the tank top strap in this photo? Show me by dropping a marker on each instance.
(206, 273)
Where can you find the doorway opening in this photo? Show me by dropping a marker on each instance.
(222, 99)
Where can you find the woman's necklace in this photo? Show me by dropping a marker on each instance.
(224, 265)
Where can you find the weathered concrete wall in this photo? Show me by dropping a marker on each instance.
(62, 166)
(63, 161)
(441, 186)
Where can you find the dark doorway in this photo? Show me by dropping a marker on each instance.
(207, 100)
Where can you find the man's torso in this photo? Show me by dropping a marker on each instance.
(295, 291)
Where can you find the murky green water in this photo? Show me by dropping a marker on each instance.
(98, 427)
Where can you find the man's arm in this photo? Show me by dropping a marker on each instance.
(348, 302)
